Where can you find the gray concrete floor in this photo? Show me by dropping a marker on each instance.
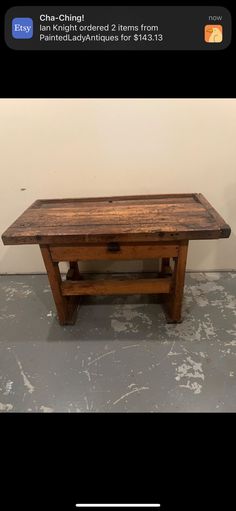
(120, 356)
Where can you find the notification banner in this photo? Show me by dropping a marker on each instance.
(84, 28)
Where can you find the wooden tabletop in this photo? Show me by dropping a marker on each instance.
(127, 218)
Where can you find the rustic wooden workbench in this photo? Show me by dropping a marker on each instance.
(115, 228)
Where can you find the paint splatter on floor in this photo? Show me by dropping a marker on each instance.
(120, 355)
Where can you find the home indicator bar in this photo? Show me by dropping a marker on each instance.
(119, 505)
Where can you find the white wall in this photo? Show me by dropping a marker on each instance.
(76, 148)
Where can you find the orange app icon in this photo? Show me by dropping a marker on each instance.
(213, 33)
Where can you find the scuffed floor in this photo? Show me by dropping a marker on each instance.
(120, 356)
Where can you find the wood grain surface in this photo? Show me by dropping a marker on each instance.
(106, 219)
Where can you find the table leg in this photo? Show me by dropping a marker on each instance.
(165, 266)
(173, 302)
(165, 263)
(73, 301)
(66, 306)
(73, 272)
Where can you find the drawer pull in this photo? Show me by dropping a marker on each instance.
(113, 247)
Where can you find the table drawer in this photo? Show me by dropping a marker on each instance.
(113, 251)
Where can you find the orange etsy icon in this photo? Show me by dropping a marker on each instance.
(213, 33)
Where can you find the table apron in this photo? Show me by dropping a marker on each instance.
(105, 251)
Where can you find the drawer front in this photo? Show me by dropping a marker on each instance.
(113, 251)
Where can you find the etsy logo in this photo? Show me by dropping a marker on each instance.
(22, 28)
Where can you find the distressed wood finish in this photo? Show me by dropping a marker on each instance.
(115, 228)
(141, 218)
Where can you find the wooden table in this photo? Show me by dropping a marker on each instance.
(117, 228)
